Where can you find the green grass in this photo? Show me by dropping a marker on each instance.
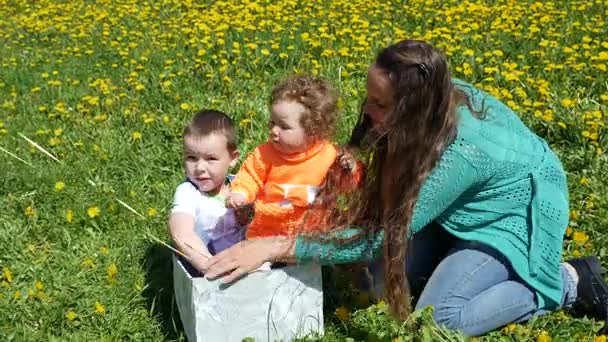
(81, 77)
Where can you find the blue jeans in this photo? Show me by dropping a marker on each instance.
(471, 286)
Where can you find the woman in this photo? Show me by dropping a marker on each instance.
(465, 199)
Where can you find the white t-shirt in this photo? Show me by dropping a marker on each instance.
(212, 220)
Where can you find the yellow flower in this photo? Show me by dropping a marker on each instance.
(151, 212)
(580, 237)
(93, 212)
(39, 285)
(59, 186)
(568, 103)
(88, 262)
(17, 295)
(509, 329)
(104, 250)
(112, 272)
(342, 313)
(601, 338)
(29, 211)
(69, 215)
(583, 181)
(184, 106)
(7, 274)
(136, 135)
(100, 308)
(543, 337)
(71, 315)
(265, 52)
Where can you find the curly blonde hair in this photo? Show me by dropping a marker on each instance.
(317, 96)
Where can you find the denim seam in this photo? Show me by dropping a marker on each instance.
(476, 322)
(462, 281)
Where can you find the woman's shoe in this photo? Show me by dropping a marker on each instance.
(592, 290)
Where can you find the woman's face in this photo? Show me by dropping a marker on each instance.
(380, 95)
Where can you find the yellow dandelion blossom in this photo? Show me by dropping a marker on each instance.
(59, 186)
(39, 285)
(265, 52)
(93, 212)
(88, 262)
(7, 275)
(104, 250)
(601, 338)
(580, 237)
(509, 329)
(100, 308)
(185, 106)
(543, 336)
(112, 271)
(17, 295)
(29, 211)
(69, 216)
(568, 103)
(70, 315)
(152, 212)
(342, 313)
(136, 136)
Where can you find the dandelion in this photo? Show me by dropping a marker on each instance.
(70, 315)
(342, 313)
(59, 186)
(88, 263)
(509, 329)
(543, 337)
(17, 295)
(136, 136)
(580, 237)
(93, 212)
(568, 103)
(100, 308)
(151, 212)
(185, 106)
(112, 271)
(39, 285)
(29, 211)
(601, 338)
(69, 216)
(7, 275)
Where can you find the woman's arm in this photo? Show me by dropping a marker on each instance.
(249, 255)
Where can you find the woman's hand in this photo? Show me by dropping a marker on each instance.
(347, 161)
(247, 256)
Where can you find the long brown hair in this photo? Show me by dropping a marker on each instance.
(419, 127)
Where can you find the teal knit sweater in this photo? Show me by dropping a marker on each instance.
(498, 183)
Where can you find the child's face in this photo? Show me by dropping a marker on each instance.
(286, 132)
(207, 160)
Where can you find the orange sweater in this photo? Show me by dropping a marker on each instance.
(283, 186)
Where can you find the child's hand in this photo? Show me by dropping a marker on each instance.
(235, 200)
(244, 214)
(347, 161)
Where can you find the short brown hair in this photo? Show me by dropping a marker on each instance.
(317, 96)
(209, 121)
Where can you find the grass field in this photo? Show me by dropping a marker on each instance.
(106, 86)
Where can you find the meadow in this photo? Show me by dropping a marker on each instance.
(105, 88)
